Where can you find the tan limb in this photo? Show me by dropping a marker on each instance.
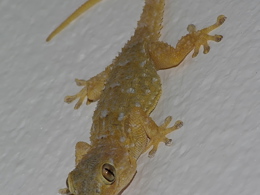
(156, 134)
(83, 8)
(165, 56)
(82, 149)
(92, 88)
(65, 191)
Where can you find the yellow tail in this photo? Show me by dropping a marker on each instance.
(150, 23)
(72, 17)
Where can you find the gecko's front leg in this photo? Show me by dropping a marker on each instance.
(91, 90)
(81, 149)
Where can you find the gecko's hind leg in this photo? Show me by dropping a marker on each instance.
(91, 90)
(203, 37)
(166, 56)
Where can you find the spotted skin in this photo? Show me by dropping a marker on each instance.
(127, 91)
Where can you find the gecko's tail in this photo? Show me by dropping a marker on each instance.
(150, 23)
(84, 7)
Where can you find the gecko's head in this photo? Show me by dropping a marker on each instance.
(102, 171)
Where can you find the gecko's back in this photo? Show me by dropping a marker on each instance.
(133, 82)
(127, 91)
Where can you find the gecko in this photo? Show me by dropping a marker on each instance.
(127, 92)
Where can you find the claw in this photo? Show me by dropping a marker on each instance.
(196, 52)
(221, 19)
(168, 142)
(152, 152)
(218, 38)
(79, 103)
(69, 99)
(178, 124)
(191, 28)
(64, 191)
(206, 48)
(166, 122)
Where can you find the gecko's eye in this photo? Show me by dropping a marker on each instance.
(109, 173)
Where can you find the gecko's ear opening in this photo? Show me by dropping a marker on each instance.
(108, 173)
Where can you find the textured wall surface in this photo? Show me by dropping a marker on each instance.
(216, 95)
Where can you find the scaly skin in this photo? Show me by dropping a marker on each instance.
(128, 90)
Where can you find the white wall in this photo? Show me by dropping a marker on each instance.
(216, 95)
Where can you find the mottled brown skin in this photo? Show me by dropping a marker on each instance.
(128, 91)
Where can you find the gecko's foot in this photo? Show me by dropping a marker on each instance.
(64, 191)
(80, 95)
(201, 37)
(91, 91)
(162, 132)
